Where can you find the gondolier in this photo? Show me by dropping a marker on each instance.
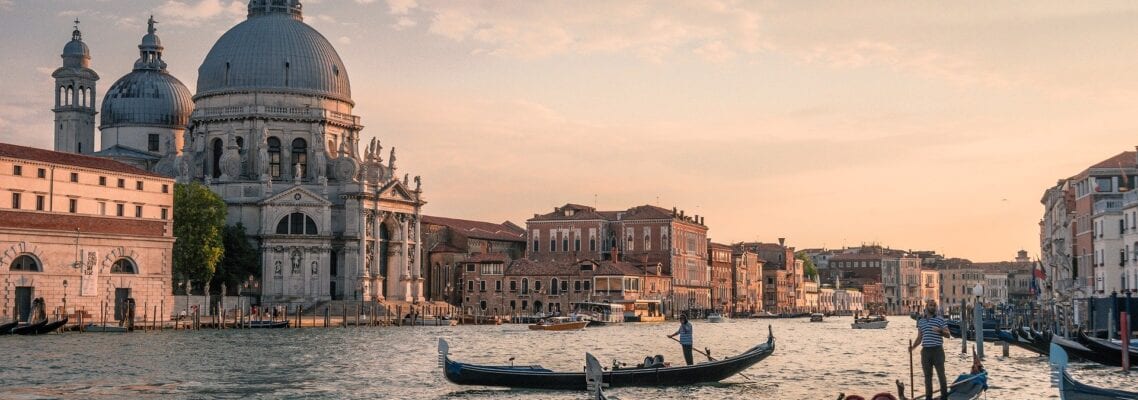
(931, 331)
(685, 337)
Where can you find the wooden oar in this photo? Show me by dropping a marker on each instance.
(709, 357)
(911, 382)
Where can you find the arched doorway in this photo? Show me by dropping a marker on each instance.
(537, 307)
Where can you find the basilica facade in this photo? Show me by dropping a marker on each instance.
(271, 130)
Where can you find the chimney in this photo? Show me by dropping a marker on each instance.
(782, 241)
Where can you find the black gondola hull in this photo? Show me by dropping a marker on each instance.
(534, 377)
(1108, 349)
(1070, 389)
(1078, 350)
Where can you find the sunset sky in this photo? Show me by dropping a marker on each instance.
(917, 125)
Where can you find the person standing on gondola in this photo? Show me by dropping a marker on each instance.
(685, 337)
(931, 331)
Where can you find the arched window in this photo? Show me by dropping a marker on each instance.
(384, 238)
(123, 266)
(274, 157)
(296, 224)
(217, 148)
(525, 286)
(553, 286)
(300, 156)
(25, 263)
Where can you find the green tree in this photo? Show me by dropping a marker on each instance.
(199, 216)
(808, 268)
(239, 261)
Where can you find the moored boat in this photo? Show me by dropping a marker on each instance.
(105, 328)
(594, 378)
(7, 327)
(429, 320)
(1079, 350)
(870, 322)
(716, 318)
(1071, 389)
(1107, 347)
(265, 324)
(28, 329)
(817, 317)
(46, 328)
(538, 377)
(559, 324)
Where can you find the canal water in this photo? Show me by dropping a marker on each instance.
(812, 361)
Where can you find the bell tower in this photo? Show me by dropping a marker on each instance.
(75, 98)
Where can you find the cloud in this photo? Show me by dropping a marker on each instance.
(344, 40)
(401, 7)
(365, 1)
(187, 13)
(403, 23)
(928, 63)
(716, 31)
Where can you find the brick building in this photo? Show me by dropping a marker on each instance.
(84, 231)
(454, 245)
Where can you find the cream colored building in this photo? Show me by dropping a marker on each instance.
(83, 230)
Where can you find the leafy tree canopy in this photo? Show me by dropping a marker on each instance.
(199, 216)
(240, 260)
(808, 266)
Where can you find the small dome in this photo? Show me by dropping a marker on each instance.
(274, 50)
(151, 40)
(75, 52)
(147, 97)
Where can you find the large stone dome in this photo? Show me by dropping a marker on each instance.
(274, 51)
(147, 97)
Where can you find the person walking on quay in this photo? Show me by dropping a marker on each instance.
(685, 337)
(931, 331)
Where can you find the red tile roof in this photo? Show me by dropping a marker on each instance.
(86, 224)
(75, 160)
(505, 231)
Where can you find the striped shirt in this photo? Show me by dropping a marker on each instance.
(685, 333)
(930, 331)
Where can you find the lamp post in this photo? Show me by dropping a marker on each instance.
(978, 320)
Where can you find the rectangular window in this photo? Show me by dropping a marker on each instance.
(138, 211)
(72, 206)
(119, 209)
(17, 170)
(481, 286)
(535, 246)
(513, 286)
(576, 286)
(138, 185)
(165, 188)
(16, 201)
(469, 267)
(577, 244)
(165, 213)
(152, 142)
(469, 286)
(122, 183)
(75, 177)
(41, 173)
(552, 245)
(102, 181)
(497, 286)
(102, 208)
(39, 202)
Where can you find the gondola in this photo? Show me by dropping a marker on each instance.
(1107, 347)
(7, 328)
(1078, 350)
(1015, 337)
(1071, 389)
(537, 377)
(46, 328)
(29, 328)
(967, 387)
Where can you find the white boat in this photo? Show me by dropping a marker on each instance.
(717, 318)
(870, 322)
(817, 317)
